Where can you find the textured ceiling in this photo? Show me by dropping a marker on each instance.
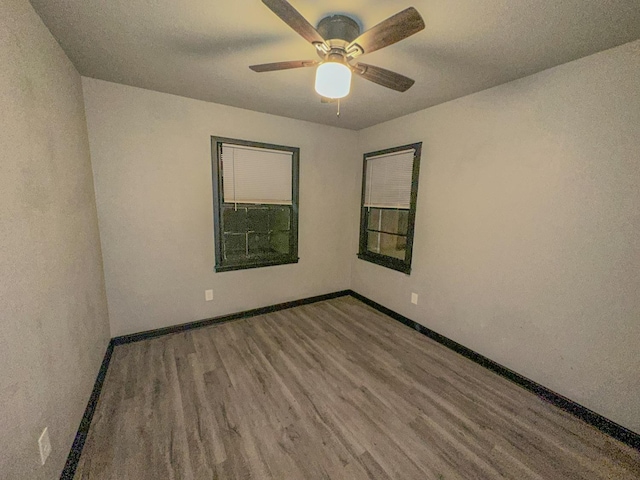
(202, 48)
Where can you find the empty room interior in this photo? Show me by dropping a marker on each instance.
(295, 239)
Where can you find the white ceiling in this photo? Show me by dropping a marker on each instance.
(203, 48)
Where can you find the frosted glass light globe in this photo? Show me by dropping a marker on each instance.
(333, 80)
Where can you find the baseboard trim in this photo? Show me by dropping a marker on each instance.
(137, 337)
(603, 424)
(73, 459)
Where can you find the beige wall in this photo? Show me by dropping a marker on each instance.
(53, 313)
(527, 243)
(151, 156)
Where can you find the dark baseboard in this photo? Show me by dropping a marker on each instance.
(136, 337)
(592, 418)
(70, 466)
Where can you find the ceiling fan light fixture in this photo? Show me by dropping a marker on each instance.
(333, 80)
(338, 41)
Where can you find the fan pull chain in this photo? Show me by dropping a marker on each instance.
(338, 114)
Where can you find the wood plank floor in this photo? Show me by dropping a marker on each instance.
(328, 390)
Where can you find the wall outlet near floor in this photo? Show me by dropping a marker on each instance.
(208, 295)
(414, 298)
(45, 446)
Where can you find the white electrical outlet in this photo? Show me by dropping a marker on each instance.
(208, 295)
(45, 446)
(414, 298)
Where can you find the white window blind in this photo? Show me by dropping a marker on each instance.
(256, 175)
(389, 180)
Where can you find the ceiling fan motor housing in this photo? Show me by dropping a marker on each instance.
(338, 27)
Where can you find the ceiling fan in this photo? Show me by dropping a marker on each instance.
(338, 43)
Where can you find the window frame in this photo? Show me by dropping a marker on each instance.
(218, 204)
(393, 263)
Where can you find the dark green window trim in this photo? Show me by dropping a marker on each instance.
(401, 265)
(222, 265)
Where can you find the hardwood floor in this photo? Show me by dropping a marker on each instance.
(328, 390)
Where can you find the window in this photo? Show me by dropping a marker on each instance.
(255, 204)
(389, 193)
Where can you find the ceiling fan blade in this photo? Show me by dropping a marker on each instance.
(388, 32)
(384, 77)
(272, 67)
(292, 17)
